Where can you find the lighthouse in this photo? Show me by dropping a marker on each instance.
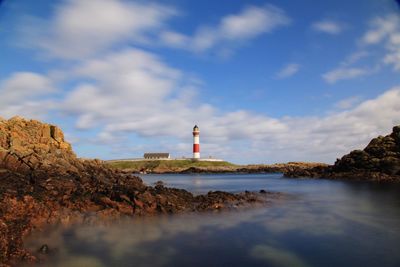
(196, 142)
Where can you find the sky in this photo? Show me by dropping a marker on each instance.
(266, 81)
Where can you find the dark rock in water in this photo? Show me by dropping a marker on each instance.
(262, 191)
(379, 161)
(43, 182)
(44, 249)
(159, 183)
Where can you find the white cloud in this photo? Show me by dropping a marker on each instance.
(251, 22)
(24, 85)
(82, 28)
(386, 30)
(73, 34)
(348, 102)
(381, 27)
(129, 84)
(354, 57)
(174, 39)
(25, 94)
(346, 70)
(344, 74)
(289, 70)
(327, 26)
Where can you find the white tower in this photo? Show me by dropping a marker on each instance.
(196, 142)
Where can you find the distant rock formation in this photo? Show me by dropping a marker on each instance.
(202, 167)
(43, 182)
(379, 161)
(259, 168)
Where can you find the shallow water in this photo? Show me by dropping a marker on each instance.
(326, 223)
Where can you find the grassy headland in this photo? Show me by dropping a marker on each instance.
(169, 165)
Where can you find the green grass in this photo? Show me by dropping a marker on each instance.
(167, 164)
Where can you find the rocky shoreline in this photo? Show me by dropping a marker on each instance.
(379, 161)
(42, 182)
(260, 168)
(245, 169)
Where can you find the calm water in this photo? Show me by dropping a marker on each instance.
(326, 223)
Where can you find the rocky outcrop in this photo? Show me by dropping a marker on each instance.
(379, 161)
(43, 182)
(28, 145)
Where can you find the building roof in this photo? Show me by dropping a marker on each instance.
(156, 155)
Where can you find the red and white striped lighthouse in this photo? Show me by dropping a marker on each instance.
(196, 142)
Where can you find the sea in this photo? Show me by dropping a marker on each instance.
(321, 223)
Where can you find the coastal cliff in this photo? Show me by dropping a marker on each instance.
(42, 182)
(379, 161)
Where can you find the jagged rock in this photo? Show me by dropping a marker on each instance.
(379, 161)
(27, 145)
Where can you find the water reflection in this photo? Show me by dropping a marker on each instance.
(327, 223)
(277, 257)
(80, 261)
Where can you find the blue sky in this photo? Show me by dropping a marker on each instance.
(266, 81)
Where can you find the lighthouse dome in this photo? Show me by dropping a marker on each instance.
(195, 128)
